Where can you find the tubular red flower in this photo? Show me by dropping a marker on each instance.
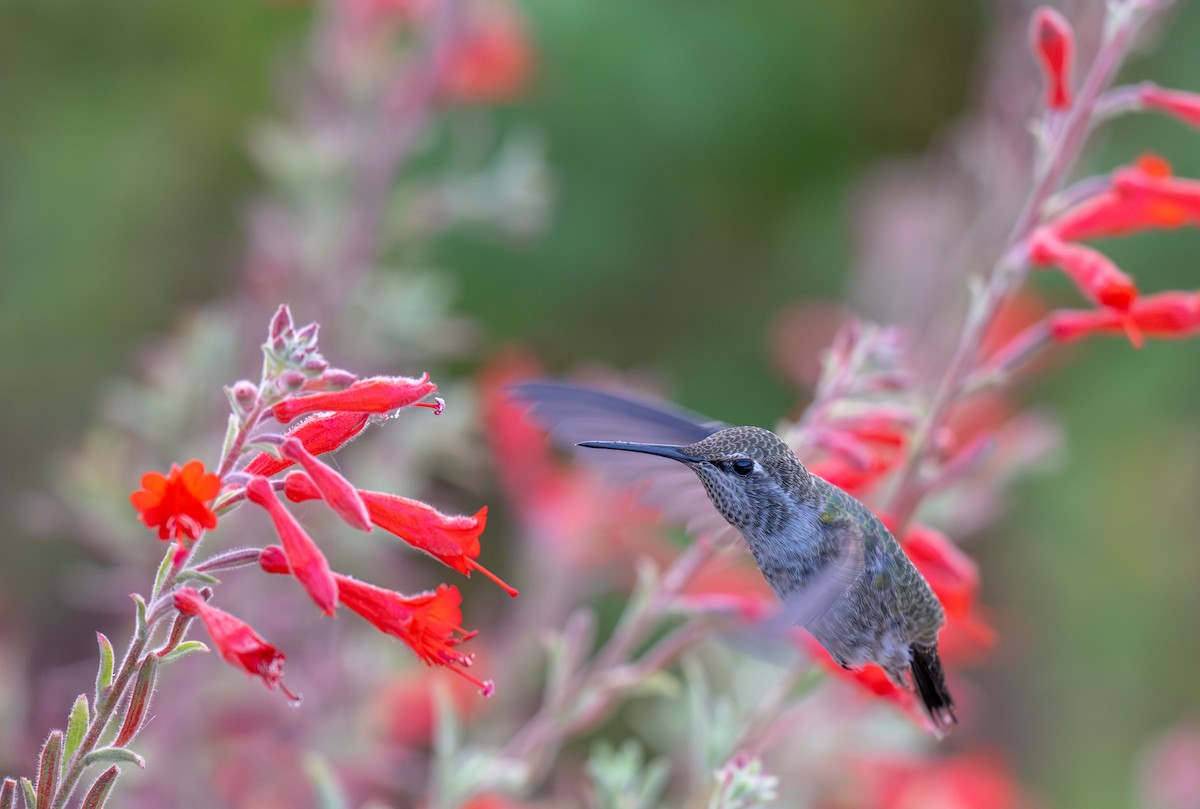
(1053, 43)
(322, 433)
(177, 504)
(336, 491)
(452, 540)
(1134, 201)
(305, 559)
(490, 62)
(430, 622)
(1166, 315)
(1184, 106)
(378, 394)
(1094, 274)
(236, 640)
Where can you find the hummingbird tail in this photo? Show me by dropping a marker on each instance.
(931, 687)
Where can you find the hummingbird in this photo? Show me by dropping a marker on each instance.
(836, 568)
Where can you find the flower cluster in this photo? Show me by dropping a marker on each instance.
(258, 464)
(1135, 198)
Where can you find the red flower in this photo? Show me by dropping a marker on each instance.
(1053, 43)
(1165, 315)
(1184, 106)
(430, 622)
(335, 490)
(237, 642)
(490, 61)
(1095, 275)
(1132, 203)
(319, 434)
(452, 540)
(178, 503)
(954, 578)
(304, 558)
(378, 394)
(968, 781)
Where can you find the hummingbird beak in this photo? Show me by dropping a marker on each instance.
(663, 450)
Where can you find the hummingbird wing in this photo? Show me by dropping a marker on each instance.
(574, 413)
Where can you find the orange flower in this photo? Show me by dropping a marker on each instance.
(430, 622)
(236, 640)
(177, 504)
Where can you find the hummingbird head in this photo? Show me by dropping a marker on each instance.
(750, 474)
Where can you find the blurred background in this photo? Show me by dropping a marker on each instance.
(685, 191)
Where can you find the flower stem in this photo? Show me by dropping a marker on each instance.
(1061, 153)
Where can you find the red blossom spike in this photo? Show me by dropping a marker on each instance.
(1183, 105)
(377, 394)
(430, 622)
(320, 434)
(236, 640)
(1094, 274)
(1166, 315)
(305, 559)
(336, 491)
(177, 504)
(1053, 43)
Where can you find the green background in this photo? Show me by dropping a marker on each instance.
(705, 155)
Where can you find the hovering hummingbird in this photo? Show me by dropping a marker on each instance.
(838, 571)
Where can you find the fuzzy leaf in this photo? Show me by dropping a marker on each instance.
(8, 794)
(76, 727)
(98, 794)
(114, 755)
(30, 794)
(104, 674)
(191, 574)
(49, 769)
(185, 648)
(160, 577)
(143, 628)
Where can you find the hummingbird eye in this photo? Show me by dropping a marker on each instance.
(742, 466)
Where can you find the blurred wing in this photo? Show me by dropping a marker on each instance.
(573, 413)
(809, 604)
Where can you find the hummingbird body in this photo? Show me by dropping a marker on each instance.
(837, 569)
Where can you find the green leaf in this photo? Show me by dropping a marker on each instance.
(104, 675)
(191, 574)
(185, 648)
(114, 755)
(329, 792)
(160, 578)
(77, 726)
(30, 793)
(143, 628)
(235, 424)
